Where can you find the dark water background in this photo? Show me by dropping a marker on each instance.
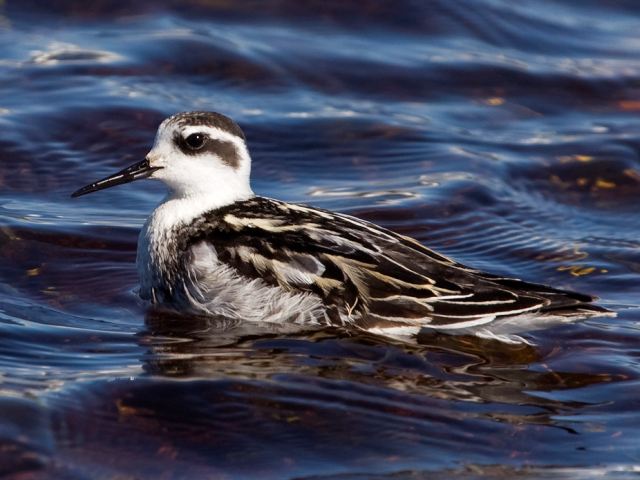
(504, 134)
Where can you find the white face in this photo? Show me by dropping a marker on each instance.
(196, 159)
(200, 156)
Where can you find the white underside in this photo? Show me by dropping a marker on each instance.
(217, 289)
(212, 288)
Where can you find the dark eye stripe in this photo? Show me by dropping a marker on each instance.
(227, 151)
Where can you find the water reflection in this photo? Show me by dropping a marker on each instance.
(438, 366)
(223, 399)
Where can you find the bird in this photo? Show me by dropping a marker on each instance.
(213, 247)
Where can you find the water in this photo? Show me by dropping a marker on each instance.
(504, 134)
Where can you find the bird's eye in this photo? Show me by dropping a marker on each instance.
(195, 141)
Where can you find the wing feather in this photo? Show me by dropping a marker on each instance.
(363, 271)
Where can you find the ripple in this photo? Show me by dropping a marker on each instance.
(59, 53)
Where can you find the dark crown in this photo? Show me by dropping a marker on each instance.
(208, 119)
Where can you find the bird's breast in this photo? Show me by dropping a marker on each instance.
(157, 256)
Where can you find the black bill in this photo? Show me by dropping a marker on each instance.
(137, 171)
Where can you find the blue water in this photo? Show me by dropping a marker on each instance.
(503, 134)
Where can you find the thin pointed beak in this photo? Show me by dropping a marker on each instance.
(137, 171)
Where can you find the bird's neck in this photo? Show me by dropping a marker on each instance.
(182, 208)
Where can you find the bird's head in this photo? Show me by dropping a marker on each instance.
(195, 154)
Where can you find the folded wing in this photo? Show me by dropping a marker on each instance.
(366, 273)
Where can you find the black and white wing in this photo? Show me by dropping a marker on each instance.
(366, 274)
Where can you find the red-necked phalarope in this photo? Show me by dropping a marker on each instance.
(214, 247)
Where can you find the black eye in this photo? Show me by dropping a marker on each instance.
(195, 141)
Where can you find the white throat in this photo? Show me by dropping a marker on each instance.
(176, 210)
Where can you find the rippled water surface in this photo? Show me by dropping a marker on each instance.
(504, 134)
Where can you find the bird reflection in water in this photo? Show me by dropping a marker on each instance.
(437, 366)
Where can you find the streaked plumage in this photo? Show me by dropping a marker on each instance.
(213, 247)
